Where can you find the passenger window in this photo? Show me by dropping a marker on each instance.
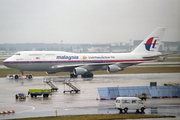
(17, 54)
(133, 101)
(125, 101)
(140, 102)
(117, 101)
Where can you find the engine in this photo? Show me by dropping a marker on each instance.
(79, 71)
(113, 68)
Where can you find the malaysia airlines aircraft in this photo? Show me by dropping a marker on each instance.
(84, 63)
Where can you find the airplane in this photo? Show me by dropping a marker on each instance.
(84, 63)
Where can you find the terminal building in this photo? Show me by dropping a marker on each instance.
(121, 47)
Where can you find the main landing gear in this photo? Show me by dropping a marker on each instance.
(85, 75)
(73, 75)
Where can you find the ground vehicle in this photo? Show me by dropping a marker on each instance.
(38, 92)
(131, 103)
(171, 84)
(18, 76)
(142, 97)
(20, 96)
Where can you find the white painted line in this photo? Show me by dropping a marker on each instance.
(32, 108)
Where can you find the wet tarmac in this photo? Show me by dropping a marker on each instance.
(84, 102)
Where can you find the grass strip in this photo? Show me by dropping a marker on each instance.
(99, 117)
(5, 72)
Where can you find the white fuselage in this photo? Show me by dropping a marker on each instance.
(43, 60)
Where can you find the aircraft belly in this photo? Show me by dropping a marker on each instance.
(13, 66)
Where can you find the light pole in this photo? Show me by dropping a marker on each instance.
(61, 44)
(130, 45)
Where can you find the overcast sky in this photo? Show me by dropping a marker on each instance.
(87, 21)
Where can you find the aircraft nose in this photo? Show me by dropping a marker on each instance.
(5, 62)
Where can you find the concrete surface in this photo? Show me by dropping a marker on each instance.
(84, 102)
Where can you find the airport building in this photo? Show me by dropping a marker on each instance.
(121, 47)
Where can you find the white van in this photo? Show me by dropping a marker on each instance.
(129, 103)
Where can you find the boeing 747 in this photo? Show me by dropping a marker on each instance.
(84, 63)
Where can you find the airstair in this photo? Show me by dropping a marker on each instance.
(52, 85)
(72, 86)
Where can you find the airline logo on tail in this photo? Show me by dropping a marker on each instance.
(150, 43)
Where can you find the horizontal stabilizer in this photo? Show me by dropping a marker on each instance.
(156, 56)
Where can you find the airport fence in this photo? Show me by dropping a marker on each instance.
(151, 91)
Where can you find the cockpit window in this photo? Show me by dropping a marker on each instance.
(17, 54)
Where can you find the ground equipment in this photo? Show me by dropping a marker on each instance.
(39, 92)
(72, 86)
(52, 85)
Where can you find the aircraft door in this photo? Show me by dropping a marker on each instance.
(29, 62)
(43, 57)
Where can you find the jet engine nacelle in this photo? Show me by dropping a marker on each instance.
(79, 71)
(113, 68)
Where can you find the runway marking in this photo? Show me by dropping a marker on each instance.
(66, 109)
(32, 108)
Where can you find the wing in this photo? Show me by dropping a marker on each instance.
(88, 66)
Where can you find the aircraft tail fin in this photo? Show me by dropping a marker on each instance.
(151, 43)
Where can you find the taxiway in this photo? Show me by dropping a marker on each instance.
(84, 102)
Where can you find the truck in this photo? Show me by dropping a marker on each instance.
(142, 97)
(39, 92)
(129, 103)
(19, 76)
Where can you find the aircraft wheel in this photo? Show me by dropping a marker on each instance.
(125, 110)
(120, 111)
(87, 75)
(16, 77)
(137, 111)
(30, 76)
(73, 76)
(142, 110)
(32, 95)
